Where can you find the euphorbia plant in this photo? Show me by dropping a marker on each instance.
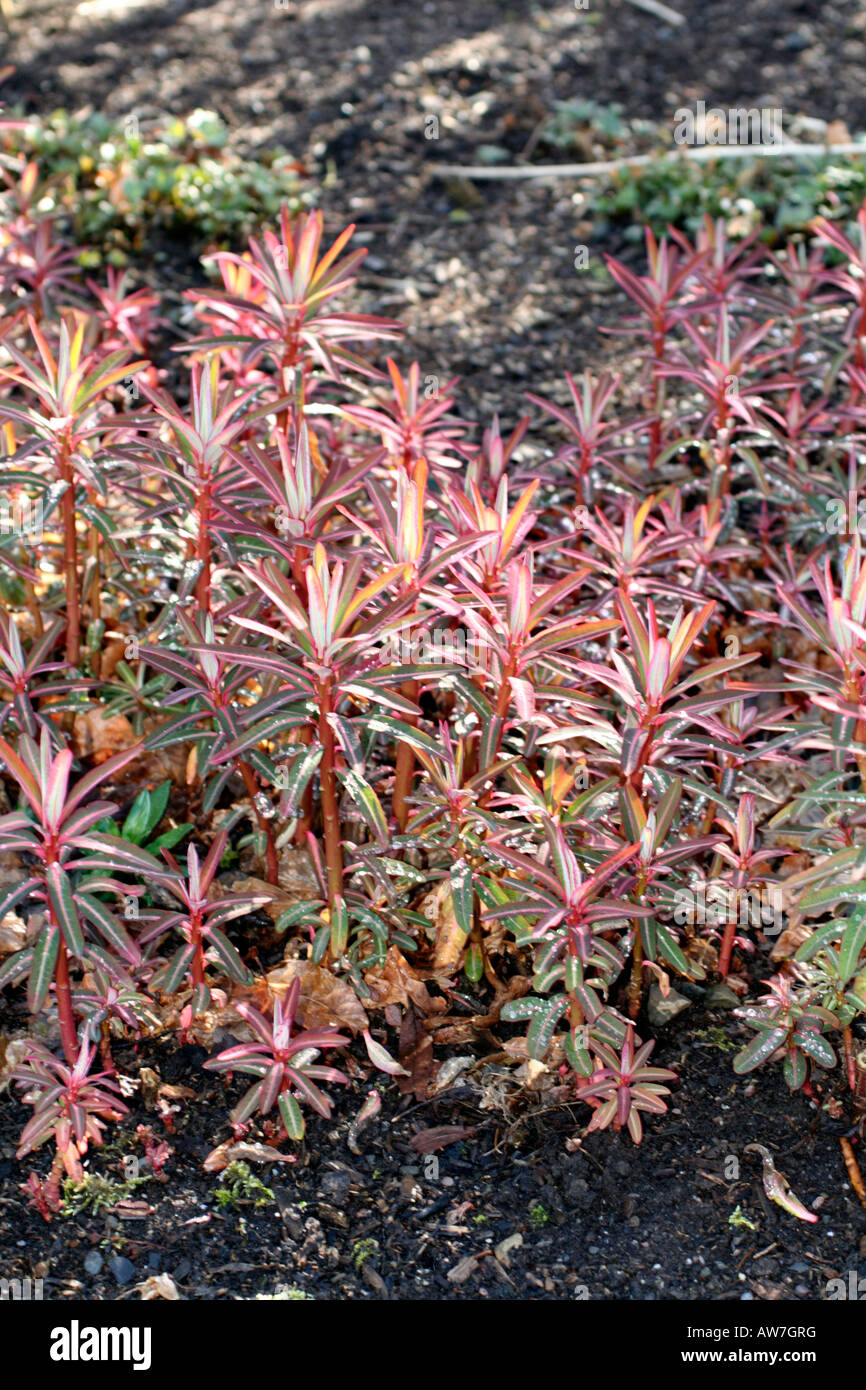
(288, 314)
(625, 1086)
(283, 1063)
(332, 642)
(69, 1105)
(56, 827)
(200, 924)
(66, 420)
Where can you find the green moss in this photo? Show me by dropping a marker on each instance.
(241, 1187)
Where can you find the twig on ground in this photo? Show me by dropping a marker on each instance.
(701, 153)
(660, 11)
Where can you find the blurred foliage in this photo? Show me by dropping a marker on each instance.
(116, 183)
(779, 196)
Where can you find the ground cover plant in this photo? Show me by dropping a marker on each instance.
(118, 185)
(463, 733)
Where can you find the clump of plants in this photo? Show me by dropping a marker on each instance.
(776, 196)
(116, 183)
(545, 718)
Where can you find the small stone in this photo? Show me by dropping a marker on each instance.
(122, 1268)
(93, 1262)
(719, 996)
(661, 1010)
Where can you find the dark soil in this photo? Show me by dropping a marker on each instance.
(347, 86)
(608, 1221)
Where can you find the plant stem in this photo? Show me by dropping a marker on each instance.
(70, 558)
(405, 768)
(68, 1035)
(203, 550)
(635, 985)
(330, 805)
(263, 823)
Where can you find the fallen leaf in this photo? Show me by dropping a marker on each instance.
(231, 1152)
(325, 1000)
(464, 1270)
(416, 1054)
(158, 1286)
(13, 933)
(790, 941)
(777, 1188)
(837, 133)
(396, 982)
(438, 907)
(504, 1248)
(12, 1051)
(449, 1072)
(96, 738)
(428, 1141)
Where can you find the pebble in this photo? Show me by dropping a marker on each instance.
(661, 1010)
(122, 1268)
(93, 1262)
(720, 996)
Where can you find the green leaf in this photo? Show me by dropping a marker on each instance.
(137, 823)
(42, 967)
(759, 1050)
(339, 928)
(543, 1025)
(816, 1047)
(170, 977)
(852, 945)
(292, 1117)
(795, 1069)
(671, 952)
(64, 908)
(16, 967)
(368, 804)
(462, 894)
(228, 957)
(473, 965)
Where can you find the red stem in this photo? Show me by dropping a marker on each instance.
(330, 805)
(68, 1034)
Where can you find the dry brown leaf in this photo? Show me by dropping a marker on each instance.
(438, 907)
(231, 1152)
(325, 1001)
(280, 897)
(12, 1051)
(428, 1141)
(463, 1270)
(416, 1055)
(13, 933)
(837, 133)
(97, 738)
(158, 1286)
(790, 941)
(397, 983)
(297, 878)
